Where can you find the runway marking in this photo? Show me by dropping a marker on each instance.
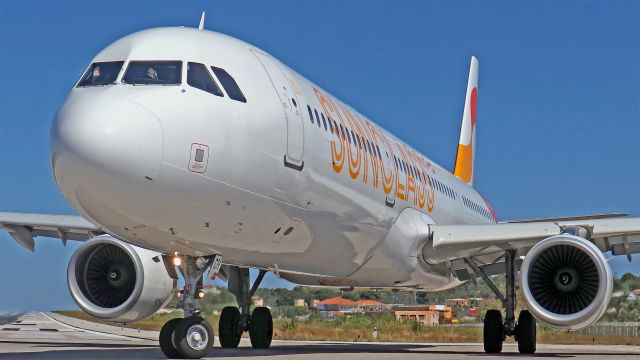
(121, 337)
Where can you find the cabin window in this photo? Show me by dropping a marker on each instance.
(317, 117)
(101, 73)
(310, 113)
(153, 73)
(330, 124)
(324, 122)
(229, 84)
(198, 76)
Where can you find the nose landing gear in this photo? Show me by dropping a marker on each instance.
(496, 329)
(234, 321)
(192, 336)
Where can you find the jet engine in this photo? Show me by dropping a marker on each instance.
(112, 280)
(566, 281)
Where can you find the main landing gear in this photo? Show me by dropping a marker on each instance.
(496, 329)
(234, 321)
(192, 336)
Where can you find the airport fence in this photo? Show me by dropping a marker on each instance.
(601, 328)
(612, 329)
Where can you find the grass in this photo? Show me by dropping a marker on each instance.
(360, 328)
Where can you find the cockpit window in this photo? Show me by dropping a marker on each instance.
(101, 73)
(229, 84)
(153, 73)
(198, 76)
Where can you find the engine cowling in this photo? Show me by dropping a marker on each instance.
(566, 281)
(112, 280)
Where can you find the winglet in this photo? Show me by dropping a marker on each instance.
(201, 26)
(467, 144)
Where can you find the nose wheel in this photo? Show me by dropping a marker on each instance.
(191, 337)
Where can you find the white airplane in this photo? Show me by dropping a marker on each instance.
(181, 146)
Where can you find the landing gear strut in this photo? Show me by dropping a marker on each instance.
(192, 336)
(496, 329)
(234, 321)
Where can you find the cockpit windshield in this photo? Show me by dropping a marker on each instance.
(101, 73)
(153, 73)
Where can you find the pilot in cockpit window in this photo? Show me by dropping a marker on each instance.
(153, 73)
(101, 73)
(96, 74)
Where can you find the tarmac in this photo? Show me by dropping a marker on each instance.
(54, 336)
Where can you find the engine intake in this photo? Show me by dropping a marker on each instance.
(116, 281)
(566, 282)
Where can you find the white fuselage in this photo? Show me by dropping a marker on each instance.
(273, 191)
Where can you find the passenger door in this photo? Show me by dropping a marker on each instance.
(292, 113)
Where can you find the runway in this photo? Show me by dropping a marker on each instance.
(54, 336)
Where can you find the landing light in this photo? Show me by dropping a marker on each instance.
(177, 261)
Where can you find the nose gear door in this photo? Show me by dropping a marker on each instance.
(292, 113)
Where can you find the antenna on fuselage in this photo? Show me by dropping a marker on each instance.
(201, 26)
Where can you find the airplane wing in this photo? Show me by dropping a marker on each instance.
(487, 243)
(567, 218)
(24, 228)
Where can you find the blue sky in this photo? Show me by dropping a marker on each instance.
(558, 105)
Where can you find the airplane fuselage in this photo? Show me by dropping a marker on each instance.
(292, 180)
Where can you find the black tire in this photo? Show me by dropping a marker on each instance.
(166, 339)
(493, 332)
(228, 327)
(526, 330)
(261, 328)
(193, 337)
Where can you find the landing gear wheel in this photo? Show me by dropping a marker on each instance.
(166, 339)
(261, 328)
(526, 333)
(493, 332)
(193, 337)
(228, 327)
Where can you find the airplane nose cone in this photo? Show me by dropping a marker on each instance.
(105, 148)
